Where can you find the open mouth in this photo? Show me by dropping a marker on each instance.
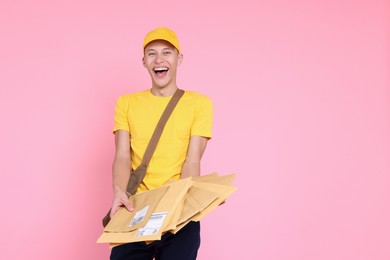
(160, 72)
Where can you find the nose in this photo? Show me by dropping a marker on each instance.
(158, 58)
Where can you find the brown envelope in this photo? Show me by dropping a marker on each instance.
(163, 213)
(223, 192)
(173, 198)
(190, 204)
(176, 215)
(119, 238)
(196, 200)
(222, 179)
(213, 178)
(205, 177)
(170, 204)
(144, 205)
(180, 226)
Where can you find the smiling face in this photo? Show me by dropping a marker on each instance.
(161, 60)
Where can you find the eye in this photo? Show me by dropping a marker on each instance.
(167, 52)
(151, 54)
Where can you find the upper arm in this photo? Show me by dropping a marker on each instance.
(122, 144)
(203, 118)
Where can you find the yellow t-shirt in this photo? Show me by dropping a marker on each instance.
(138, 113)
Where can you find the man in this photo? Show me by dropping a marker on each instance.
(179, 150)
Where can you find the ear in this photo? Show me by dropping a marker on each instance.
(180, 59)
(143, 61)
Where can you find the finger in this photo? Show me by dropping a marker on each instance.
(128, 205)
(113, 211)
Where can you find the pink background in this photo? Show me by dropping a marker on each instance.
(302, 115)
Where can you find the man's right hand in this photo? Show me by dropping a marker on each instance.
(120, 199)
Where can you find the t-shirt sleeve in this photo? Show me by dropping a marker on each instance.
(121, 115)
(203, 120)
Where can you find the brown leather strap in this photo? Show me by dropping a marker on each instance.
(160, 126)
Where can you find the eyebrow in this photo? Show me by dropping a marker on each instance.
(166, 48)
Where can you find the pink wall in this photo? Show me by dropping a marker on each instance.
(302, 101)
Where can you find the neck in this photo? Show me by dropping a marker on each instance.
(163, 92)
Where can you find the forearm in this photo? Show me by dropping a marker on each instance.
(121, 168)
(120, 179)
(120, 174)
(191, 166)
(190, 169)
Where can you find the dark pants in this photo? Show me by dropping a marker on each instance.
(183, 245)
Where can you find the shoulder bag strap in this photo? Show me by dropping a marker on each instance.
(160, 126)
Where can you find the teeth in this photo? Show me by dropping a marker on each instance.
(160, 69)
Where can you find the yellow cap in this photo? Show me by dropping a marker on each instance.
(162, 33)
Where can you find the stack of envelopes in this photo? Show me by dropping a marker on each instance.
(167, 209)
